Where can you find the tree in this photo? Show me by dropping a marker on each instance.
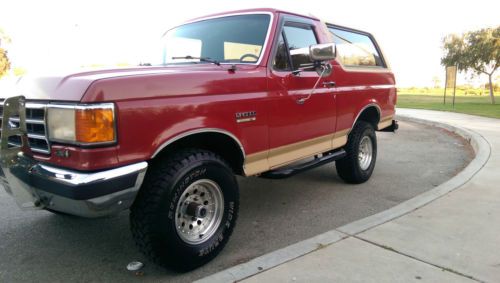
(4, 60)
(476, 51)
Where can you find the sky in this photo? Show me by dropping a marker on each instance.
(60, 34)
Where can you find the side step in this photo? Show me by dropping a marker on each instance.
(288, 171)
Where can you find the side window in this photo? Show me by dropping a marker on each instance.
(281, 61)
(355, 49)
(299, 38)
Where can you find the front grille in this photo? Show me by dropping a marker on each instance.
(35, 125)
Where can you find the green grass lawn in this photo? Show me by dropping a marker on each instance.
(474, 105)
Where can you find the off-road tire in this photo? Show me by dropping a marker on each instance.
(348, 167)
(152, 216)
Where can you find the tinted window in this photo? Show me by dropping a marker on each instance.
(281, 61)
(299, 38)
(355, 49)
(227, 39)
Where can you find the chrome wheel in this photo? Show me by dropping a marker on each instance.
(199, 211)
(365, 153)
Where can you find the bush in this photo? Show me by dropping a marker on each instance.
(4, 62)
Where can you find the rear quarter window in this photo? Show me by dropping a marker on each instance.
(356, 49)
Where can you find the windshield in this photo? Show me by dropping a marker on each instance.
(232, 39)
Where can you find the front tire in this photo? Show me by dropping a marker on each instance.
(357, 166)
(186, 210)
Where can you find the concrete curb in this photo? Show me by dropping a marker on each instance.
(265, 262)
(273, 259)
(481, 149)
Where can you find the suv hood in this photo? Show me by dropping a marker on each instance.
(71, 86)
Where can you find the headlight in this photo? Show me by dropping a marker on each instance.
(82, 124)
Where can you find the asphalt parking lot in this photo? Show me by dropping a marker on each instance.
(42, 247)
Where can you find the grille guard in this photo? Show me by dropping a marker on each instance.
(10, 159)
(13, 106)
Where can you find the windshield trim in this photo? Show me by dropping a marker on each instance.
(266, 41)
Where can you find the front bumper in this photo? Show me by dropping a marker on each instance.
(37, 186)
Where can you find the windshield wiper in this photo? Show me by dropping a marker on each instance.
(202, 59)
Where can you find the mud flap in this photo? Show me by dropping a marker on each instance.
(392, 128)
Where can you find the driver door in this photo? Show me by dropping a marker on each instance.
(298, 130)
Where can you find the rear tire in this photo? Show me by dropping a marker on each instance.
(357, 166)
(186, 210)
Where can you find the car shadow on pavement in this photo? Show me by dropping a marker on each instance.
(48, 246)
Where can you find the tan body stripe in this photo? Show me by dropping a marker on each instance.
(289, 153)
(280, 156)
(385, 122)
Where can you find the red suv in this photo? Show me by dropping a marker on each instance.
(255, 92)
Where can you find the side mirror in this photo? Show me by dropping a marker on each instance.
(322, 52)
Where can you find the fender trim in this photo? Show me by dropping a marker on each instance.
(199, 131)
(363, 109)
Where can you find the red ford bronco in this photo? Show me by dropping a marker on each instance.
(255, 92)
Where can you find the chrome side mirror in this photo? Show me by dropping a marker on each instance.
(319, 54)
(322, 52)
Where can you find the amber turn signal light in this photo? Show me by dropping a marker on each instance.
(94, 125)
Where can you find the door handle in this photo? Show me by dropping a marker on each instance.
(329, 84)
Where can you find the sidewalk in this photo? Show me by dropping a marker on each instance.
(455, 238)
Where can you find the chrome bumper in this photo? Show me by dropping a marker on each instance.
(36, 186)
